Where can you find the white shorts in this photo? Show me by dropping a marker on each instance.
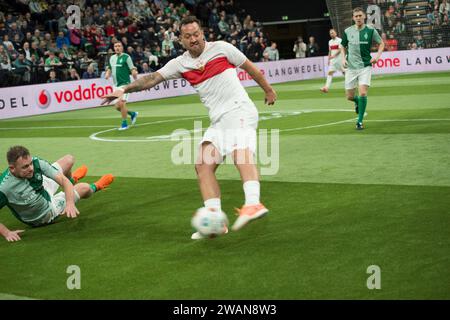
(234, 130)
(58, 201)
(358, 77)
(335, 64)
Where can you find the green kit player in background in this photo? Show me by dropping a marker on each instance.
(357, 41)
(29, 185)
(120, 66)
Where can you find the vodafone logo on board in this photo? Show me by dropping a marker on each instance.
(44, 99)
(71, 95)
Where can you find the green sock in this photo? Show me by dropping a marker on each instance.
(93, 187)
(71, 180)
(124, 122)
(362, 108)
(130, 113)
(356, 99)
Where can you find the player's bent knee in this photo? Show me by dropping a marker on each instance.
(203, 168)
(70, 159)
(83, 190)
(66, 162)
(120, 104)
(243, 157)
(210, 156)
(200, 168)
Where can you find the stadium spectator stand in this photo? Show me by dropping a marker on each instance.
(149, 30)
(35, 39)
(412, 24)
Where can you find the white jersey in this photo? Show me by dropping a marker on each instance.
(334, 45)
(213, 76)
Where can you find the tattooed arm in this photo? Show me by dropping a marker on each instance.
(144, 83)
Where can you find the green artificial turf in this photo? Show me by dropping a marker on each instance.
(340, 201)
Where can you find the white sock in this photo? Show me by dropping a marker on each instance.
(251, 190)
(329, 79)
(213, 203)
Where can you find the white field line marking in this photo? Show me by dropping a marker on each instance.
(99, 126)
(272, 115)
(168, 137)
(94, 135)
(8, 296)
(59, 127)
(343, 121)
(293, 112)
(405, 120)
(318, 125)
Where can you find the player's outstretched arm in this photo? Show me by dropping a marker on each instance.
(71, 211)
(253, 71)
(143, 83)
(9, 235)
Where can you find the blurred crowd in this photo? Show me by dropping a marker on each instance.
(426, 27)
(36, 44)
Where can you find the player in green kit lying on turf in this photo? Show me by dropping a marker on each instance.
(29, 185)
(357, 41)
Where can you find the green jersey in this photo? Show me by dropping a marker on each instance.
(26, 198)
(358, 44)
(121, 67)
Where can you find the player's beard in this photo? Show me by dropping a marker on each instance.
(196, 48)
(27, 175)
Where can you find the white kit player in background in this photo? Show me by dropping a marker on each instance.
(334, 59)
(210, 69)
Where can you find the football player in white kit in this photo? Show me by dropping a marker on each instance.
(334, 59)
(210, 68)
